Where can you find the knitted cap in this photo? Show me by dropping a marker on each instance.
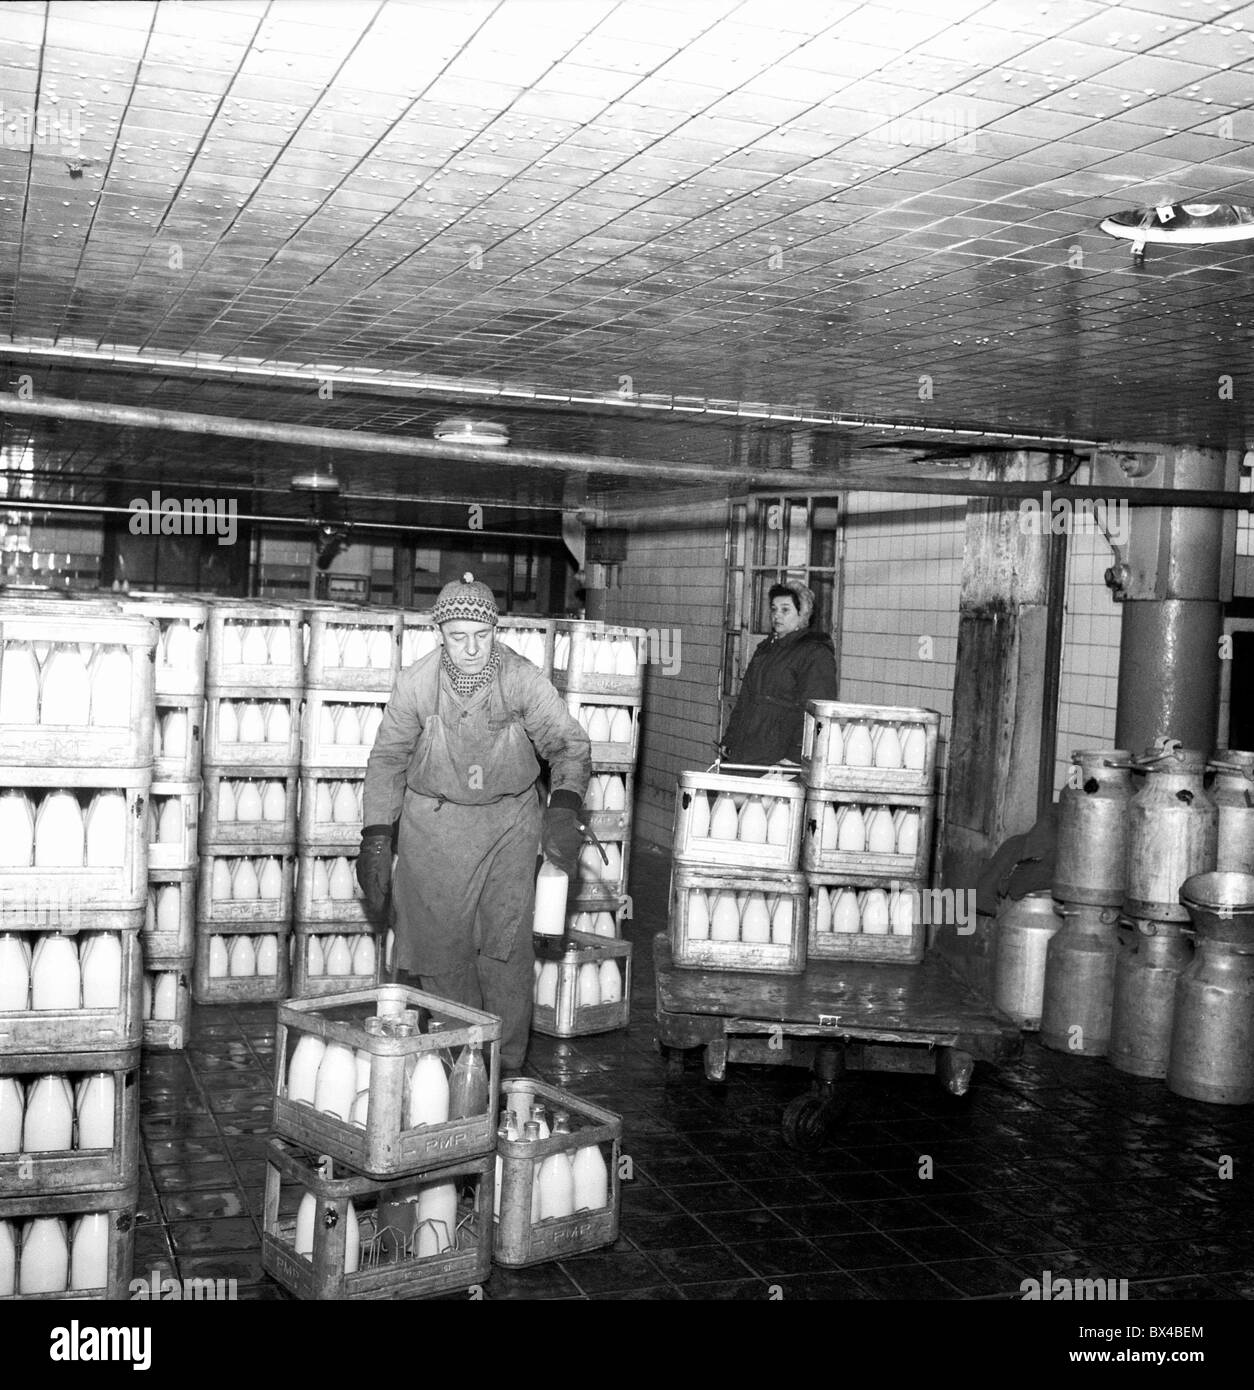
(465, 601)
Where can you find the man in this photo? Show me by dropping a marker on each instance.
(455, 760)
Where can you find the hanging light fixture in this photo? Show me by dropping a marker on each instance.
(462, 431)
(1183, 224)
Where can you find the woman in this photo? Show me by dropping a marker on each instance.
(797, 663)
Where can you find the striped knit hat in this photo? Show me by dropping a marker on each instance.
(466, 601)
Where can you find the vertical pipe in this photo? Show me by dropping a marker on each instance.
(1055, 598)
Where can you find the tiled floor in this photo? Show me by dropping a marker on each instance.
(1056, 1163)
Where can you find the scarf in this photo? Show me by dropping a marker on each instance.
(466, 683)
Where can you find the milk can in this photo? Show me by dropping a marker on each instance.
(1023, 931)
(1172, 830)
(1212, 1035)
(1146, 972)
(1093, 828)
(1080, 980)
(1233, 794)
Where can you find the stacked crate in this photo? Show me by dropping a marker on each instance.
(737, 901)
(246, 871)
(867, 837)
(76, 691)
(380, 1182)
(353, 656)
(169, 937)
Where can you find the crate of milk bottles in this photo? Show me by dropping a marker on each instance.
(173, 822)
(603, 919)
(72, 990)
(329, 1233)
(330, 806)
(612, 723)
(76, 687)
(387, 1080)
(327, 889)
(601, 881)
(69, 1122)
(873, 748)
(529, 637)
(728, 919)
(241, 963)
(868, 919)
(167, 1001)
(608, 804)
(582, 985)
(557, 1183)
(73, 835)
(170, 916)
(68, 1245)
(339, 726)
(248, 728)
(183, 631)
(867, 835)
(595, 659)
(352, 648)
(253, 807)
(331, 957)
(419, 637)
(257, 645)
(238, 888)
(177, 738)
(740, 821)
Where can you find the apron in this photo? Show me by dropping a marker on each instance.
(465, 876)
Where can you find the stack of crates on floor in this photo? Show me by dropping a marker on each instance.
(76, 692)
(870, 808)
(169, 937)
(737, 897)
(379, 1183)
(253, 693)
(351, 665)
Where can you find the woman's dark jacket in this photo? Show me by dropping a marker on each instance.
(785, 672)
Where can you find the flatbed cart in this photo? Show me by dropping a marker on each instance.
(839, 1017)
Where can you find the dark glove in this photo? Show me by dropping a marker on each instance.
(374, 866)
(560, 836)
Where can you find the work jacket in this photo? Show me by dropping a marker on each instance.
(785, 672)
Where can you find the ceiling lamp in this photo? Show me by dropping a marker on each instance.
(472, 432)
(1183, 224)
(315, 482)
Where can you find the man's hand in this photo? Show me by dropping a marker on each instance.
(374, 866)
(560, 835)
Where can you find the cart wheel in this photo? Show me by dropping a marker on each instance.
(807, 1121)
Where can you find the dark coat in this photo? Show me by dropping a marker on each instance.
(785, 672)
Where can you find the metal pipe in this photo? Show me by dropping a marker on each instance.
(1055, 598)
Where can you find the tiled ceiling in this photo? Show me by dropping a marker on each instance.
(816, 212)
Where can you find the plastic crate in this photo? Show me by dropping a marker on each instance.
(52, 1031)
(314, 907)
(318, 784)
(308, 984)
(167, 1034)
(208, 988)
(283, 751)
(598, 659)
(569, 1016)
(828, 722)
(290, 1175)
(164, 934)
(222, 912)
(384, 1147)
(701, 793)
(893, 945)
(178, 762)
(124, 744)
(372, 662)
(78, 1169)
(694, 947)
(277, 836)
(318, 747)
(120, 887)
(607, 756)
(517, 1239)
(177, 853)
(236, 628)
(180, 653)
(121, 1206)
(820, 832)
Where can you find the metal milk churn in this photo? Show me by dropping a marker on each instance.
(1080, 980)
(1233, 793)
(1093, 828)
(1172, 830)
(1146, 971)
(1022, 935)
(1212, 1034)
